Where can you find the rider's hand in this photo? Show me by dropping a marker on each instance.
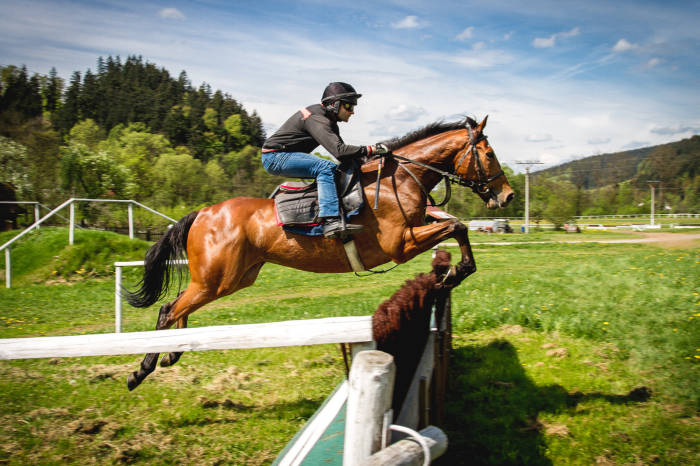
(381, 148)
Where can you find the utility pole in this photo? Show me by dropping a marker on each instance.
(652, 185)
(527, 164)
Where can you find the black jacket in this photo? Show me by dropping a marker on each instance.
(307, 129)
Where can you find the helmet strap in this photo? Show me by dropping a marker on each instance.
(333, 108)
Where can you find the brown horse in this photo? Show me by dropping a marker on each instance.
(228, 243)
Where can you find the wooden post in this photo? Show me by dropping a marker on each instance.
(371, 389)
(409, 452)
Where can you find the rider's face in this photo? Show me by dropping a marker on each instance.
(346, 111)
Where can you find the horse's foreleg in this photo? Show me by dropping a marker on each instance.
(467, 265)
(420, 239)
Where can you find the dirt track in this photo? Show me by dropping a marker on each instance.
(672, 240)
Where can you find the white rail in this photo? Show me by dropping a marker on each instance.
(71, 225)
(354, 329)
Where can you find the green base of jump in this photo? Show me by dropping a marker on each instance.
(320, 441)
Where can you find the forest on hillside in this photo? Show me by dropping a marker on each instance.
(130, 130)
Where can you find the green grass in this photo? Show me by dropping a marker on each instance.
(556, 349)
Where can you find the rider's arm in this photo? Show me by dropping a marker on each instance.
(320, 129)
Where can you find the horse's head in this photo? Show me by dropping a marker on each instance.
(479, 169)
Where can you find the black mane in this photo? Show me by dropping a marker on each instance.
(427, 131)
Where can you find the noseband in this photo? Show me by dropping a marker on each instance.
(479, 186)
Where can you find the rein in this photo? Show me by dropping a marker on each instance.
(480, 186)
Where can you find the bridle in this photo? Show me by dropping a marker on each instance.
(480, 186)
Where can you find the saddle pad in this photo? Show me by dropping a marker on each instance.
(296, 186)
(299, 207)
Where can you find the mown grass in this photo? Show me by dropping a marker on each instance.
(563, 354)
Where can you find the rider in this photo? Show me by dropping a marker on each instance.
(288, 151)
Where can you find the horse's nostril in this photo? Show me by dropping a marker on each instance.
(509, 197)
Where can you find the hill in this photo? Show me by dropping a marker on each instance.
(667, 163)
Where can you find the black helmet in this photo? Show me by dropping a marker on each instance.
(339, 92)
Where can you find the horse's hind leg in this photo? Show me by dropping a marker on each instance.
(248, 279)
(149, 362)
(171, 358)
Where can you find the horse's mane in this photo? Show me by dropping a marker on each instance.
(427, 131)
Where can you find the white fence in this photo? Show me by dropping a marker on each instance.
(70, 203)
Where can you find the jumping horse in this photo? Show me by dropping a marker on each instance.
(228, 243)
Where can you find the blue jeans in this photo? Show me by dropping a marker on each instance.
(301, 165)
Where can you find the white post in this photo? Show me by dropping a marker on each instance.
(371, 388)
(118, 300)
(8, 269)
(71, 220)
(36, 214)
(527, 200)
(652, 203)
(131, 220)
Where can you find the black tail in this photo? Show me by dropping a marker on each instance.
(157, 270)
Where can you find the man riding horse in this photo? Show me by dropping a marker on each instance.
(288, 151)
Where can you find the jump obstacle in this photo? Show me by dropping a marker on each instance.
(355, 425)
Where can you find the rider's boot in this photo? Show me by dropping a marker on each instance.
(334, 227)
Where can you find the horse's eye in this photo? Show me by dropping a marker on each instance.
(490, 154)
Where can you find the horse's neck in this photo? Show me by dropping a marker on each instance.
(439, 154)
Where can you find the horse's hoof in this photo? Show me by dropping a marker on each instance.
(132, 381)
(165, 361)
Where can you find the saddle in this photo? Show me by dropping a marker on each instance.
(296, 202)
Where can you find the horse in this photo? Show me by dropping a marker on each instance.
(228, 243)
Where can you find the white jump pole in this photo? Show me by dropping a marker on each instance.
(37, 214)
(371, 387)
(353, 329)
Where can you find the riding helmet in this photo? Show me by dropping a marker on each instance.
(339, 92)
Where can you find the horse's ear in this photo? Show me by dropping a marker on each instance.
(482, 125)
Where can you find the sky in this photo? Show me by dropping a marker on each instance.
(559, 80)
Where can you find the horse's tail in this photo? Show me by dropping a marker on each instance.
(158, 265)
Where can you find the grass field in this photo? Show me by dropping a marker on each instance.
(563, 354)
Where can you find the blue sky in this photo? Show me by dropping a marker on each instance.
(559, 80)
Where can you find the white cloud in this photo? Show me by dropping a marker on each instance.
(674, 130)
(547, 42)
(539, 138)
(171, 13)
(598, 140)
(409, 22)
(405, 113)
(652, 63)
(478, 57)
(468, 33)
(542, 43)
(623, 46)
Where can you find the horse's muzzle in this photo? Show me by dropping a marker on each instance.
(500, 200)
